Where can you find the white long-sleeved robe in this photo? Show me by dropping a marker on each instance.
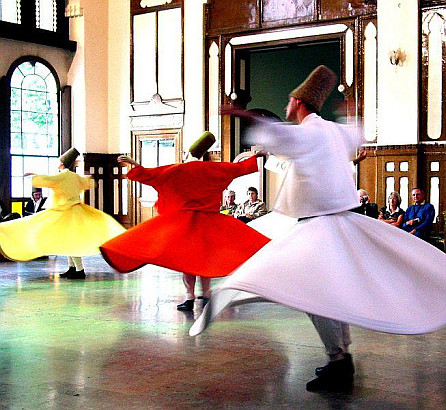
(340, 264)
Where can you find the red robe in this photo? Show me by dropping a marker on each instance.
(189, 235)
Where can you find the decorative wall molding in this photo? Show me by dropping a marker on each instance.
(296, 33)
(154, 3)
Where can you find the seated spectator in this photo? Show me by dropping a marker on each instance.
(252, 208)
(35, 204)
(366, 208)
(7, 217)
(392, 214)
(229, 206)
(419, 217)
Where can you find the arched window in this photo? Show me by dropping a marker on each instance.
(35, 130)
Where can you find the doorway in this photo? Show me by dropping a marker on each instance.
(273, 72)
(153, 149)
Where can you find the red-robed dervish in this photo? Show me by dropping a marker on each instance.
(189, 235)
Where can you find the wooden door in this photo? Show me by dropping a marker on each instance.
(153, 149)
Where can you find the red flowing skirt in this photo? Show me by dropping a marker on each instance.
(197, 243)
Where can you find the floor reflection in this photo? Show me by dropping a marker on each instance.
(117, 341)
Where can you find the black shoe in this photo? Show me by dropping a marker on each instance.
(188, 305)
(77, 274)
(348, 363)
(70, 271)
(337, 375)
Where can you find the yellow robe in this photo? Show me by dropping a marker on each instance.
(69, 227)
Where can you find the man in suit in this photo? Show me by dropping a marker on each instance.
(366, 208)
(4, 217)
(35, 204)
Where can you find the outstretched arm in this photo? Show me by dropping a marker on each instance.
(238, 112)
(125, 160)
(360, 157)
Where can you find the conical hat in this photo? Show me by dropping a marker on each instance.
(317, 87)
(68, 158)
(202, 144)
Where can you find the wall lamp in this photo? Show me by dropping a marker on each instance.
(397, 57)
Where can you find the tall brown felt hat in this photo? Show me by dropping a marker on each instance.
(317, 87)
(202, 144)
(68, 158)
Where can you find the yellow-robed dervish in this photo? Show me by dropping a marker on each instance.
(69, 227)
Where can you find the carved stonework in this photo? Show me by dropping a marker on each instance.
(156, 122)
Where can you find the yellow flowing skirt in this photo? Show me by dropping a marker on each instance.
(76, 231)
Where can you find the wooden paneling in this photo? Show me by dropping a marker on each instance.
(432, 3)
(396, 155)
(337, 9)
(372, 173)
(435, 153)
(105, 170)
(5, 142)
(228, 17)
(65, 118)
(367, 173)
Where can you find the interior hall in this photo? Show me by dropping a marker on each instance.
(144, 79)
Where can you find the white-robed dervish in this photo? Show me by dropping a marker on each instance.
(338, 266)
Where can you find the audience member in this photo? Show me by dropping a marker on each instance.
(366, 208)
(7, 217)
(392, 214)
(419, 217)
(229, 206)
(252, 208)
(35, 204)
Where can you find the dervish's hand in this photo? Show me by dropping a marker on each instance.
(261, 153)
(238, 112)
(125, 160)
(361, 156)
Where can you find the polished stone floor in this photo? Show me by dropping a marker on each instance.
(117, 342)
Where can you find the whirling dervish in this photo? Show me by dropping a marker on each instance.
(338, 266)
(189, 234)
(69, 227)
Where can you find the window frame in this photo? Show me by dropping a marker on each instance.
(5, 126)
(27, 30)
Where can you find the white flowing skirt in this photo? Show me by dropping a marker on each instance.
(347, 267)
(273, 225)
